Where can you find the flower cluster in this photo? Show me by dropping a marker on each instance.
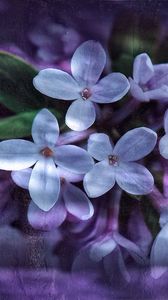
(63, 171)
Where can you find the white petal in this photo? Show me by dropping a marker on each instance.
(22, 177)
(45, 128)
(88, 63)
(80, 115)
(17, 154)
(44, 184)
(163, 146)
(110, 89)
(46, 220)
(99, 180)
(135, 144)
(76, 202)
(69, 176)
(102, 248)
(142, 69)
(159, 257)
(134, 178)
(166, 121)
(137, 92)
(56, 84)
(99, 146)
(73, 159)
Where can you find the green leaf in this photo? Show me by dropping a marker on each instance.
(16, 88)
(20, 125)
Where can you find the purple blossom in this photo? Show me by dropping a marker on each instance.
(87, 65)
(116, 164)
(150, 82)
(44, 184)
(71, 200)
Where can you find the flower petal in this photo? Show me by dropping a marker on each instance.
(138, 255)
(42, 220)
(110, 89)
(159, 257)
(137, 92)
(163, 146)
(17, 154)
(166, 121)
(56, 84)
(44, 184)
(69, 176)
(99, 180)
(142, 69)
(158, 94)
(135, 144)
(134, 178)
(80, 115)
(22, 177)
(88, 63)
(45, 128)
(76, 202)
(102, 248)
(73, 159)
(99, 146)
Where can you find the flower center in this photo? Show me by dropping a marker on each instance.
(86, 93)
(62, 179)
(46, 152)
(113, 160)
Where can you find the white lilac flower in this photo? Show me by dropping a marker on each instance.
(159, 257)
(149, 81)
(163, 144)
(117, 164)
(87, 65)
(71, 199)
(44, 155)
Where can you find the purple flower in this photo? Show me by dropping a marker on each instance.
(149, 81)
(116, 164)
(163, 144)
(109, 250)
(71, 199)
(44, 184)
(87, 65)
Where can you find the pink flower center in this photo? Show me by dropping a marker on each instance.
(86, 93)
(46, 152)
(113, 160)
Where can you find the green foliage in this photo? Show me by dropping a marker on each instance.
(19, 126)
(16, 88)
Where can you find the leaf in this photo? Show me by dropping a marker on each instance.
(16, 88)
(19, 126)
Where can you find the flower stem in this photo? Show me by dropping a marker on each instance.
(158, 200)
(114, 208)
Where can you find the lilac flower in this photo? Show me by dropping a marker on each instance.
(87, 65)
(71, 199)
(116, 164)
(159, 257)
(44, 184)
(109, 250)
(149, 81)
(163, 144)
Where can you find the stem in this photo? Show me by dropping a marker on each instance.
(158, 200)
(125, 111)
(73, 137)
(114, 210)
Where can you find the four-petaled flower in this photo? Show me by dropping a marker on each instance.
(44, 154)
(117, 163)
(71, 199)
(87, 65)
(149, 81)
